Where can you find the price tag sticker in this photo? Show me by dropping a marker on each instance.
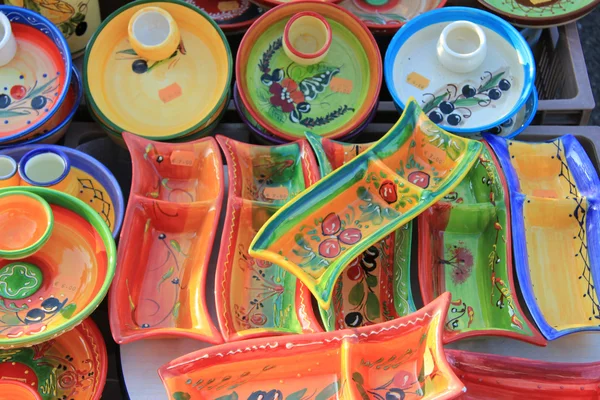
(170, 93)
(434, 154)
(276, 193)
(225, 6)
(417, 80)
(340, 85)
(182, 157)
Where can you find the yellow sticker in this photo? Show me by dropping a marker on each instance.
(434, 154)
(276, 193)
(170, 93)
(182, 157)
(228, 6)
(340, 85)
(417, 80)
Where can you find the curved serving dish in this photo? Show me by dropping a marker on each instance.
(168, 233)
(322, 230)
(554, 206)
(256, 298)
(398, 358)
(465, 248)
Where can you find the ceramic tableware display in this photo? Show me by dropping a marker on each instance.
(554, 207)
(403, 358)
(36, 80)
(169, 228)
(76, 19)
(73, 365)
(376, 286)
(51, 291)
(232, 15)
(493, 377)
(256, 298)
(158, 99)
(331, 97)
(317, 234)
(79, 175)
(443, 59)
(465, 247)
(541, 14)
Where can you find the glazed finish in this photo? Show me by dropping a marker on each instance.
(492, 377)
(465, 248)
(541, 13)
(256, 298)
(232, 16)
(321, 231)
(169, 229)
(554, 206)
(402, 358)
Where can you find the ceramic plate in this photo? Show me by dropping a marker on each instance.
(256, 298)
(376, 285)
(462, 103)
(331, 98)
(77, 266)
(274, 3)
(168, 232)
(517, 124)
(400, 359)
(158, 100)
(321, 231)
(555, 220)
(231, 15)
(492, 377)
(73, 365)
(36, 81)
(465, 248)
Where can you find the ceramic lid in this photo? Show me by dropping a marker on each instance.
(463, 103)
(331, 98)
(158, 100)
(231, 15)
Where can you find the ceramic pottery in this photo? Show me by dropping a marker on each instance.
(153, 34)
(286, 98)
(8, 44)
(492, 377)
(36, 81)
(73, 365)
(465, 248)
(266, 4)
(76, 19)
(307, 38)
(8, 172)
(399, 359)
(232, 15)
(540, 14)
(158, 99)
(376, 285)
(53, 290)
(554, 206)
(322, 230)
(168, 233)
(85, 178)
(387, 16)
(518, 123)
(256, 298)
(464, 103)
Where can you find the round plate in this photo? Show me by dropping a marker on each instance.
(331, 98)
(391, 14)
(476, 101)
(231, 15)
(35, 82)
(158, 100)
(547, 13)
(73, 365)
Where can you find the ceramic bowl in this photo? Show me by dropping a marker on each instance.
(8, 172)
(286, 98)
(77, 265)
(464, 103)
(232, 16)
(307, 38)
(76, 361)
(159, 99)
(266, 4)
(153, 33)
(35, 83)
(91, 182)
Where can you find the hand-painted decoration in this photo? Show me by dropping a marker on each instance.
(231, 15)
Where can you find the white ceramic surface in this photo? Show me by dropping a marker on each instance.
(8, 43)
(462, 47)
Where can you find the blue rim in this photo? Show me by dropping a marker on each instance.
(451, 14)
(530, 109)
(587, 183)
(33, 19)
(43, 149)
(14, 167)
(89, 165)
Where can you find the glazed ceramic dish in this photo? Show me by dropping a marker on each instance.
(492, 377)
(464, 103)
(321, 231)
(66, 279)
(256, 298)
(73, 365)
(92, 182)
(517, 124)
(286, 98)
(274, 3)
(465, 248)
(168, 232)
(232, 16)
(388, 16)
(376, 285)
(400, 359)
(158, 99)
(540, 14)
(554, 207)
(36, 81)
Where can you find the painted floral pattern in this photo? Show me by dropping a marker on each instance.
(18, 320)
(21, 100)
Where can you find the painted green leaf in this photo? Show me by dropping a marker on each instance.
(422, 374)
(11, 306)
(176, 309)
(329, 391)
(358, 378)
(10, 319)
(357, 293)
(434, 102)
(296, 395)
(154, 195)
(147, 226)
(372, 281)
(373, 311)
(175, 245)
(130, 52)
(40, 89)
(166, 276)
(165, 183)
(181, 396)
(232, 396)
(473, 101)
(492, 82)
(68, 311)
(8, 113)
